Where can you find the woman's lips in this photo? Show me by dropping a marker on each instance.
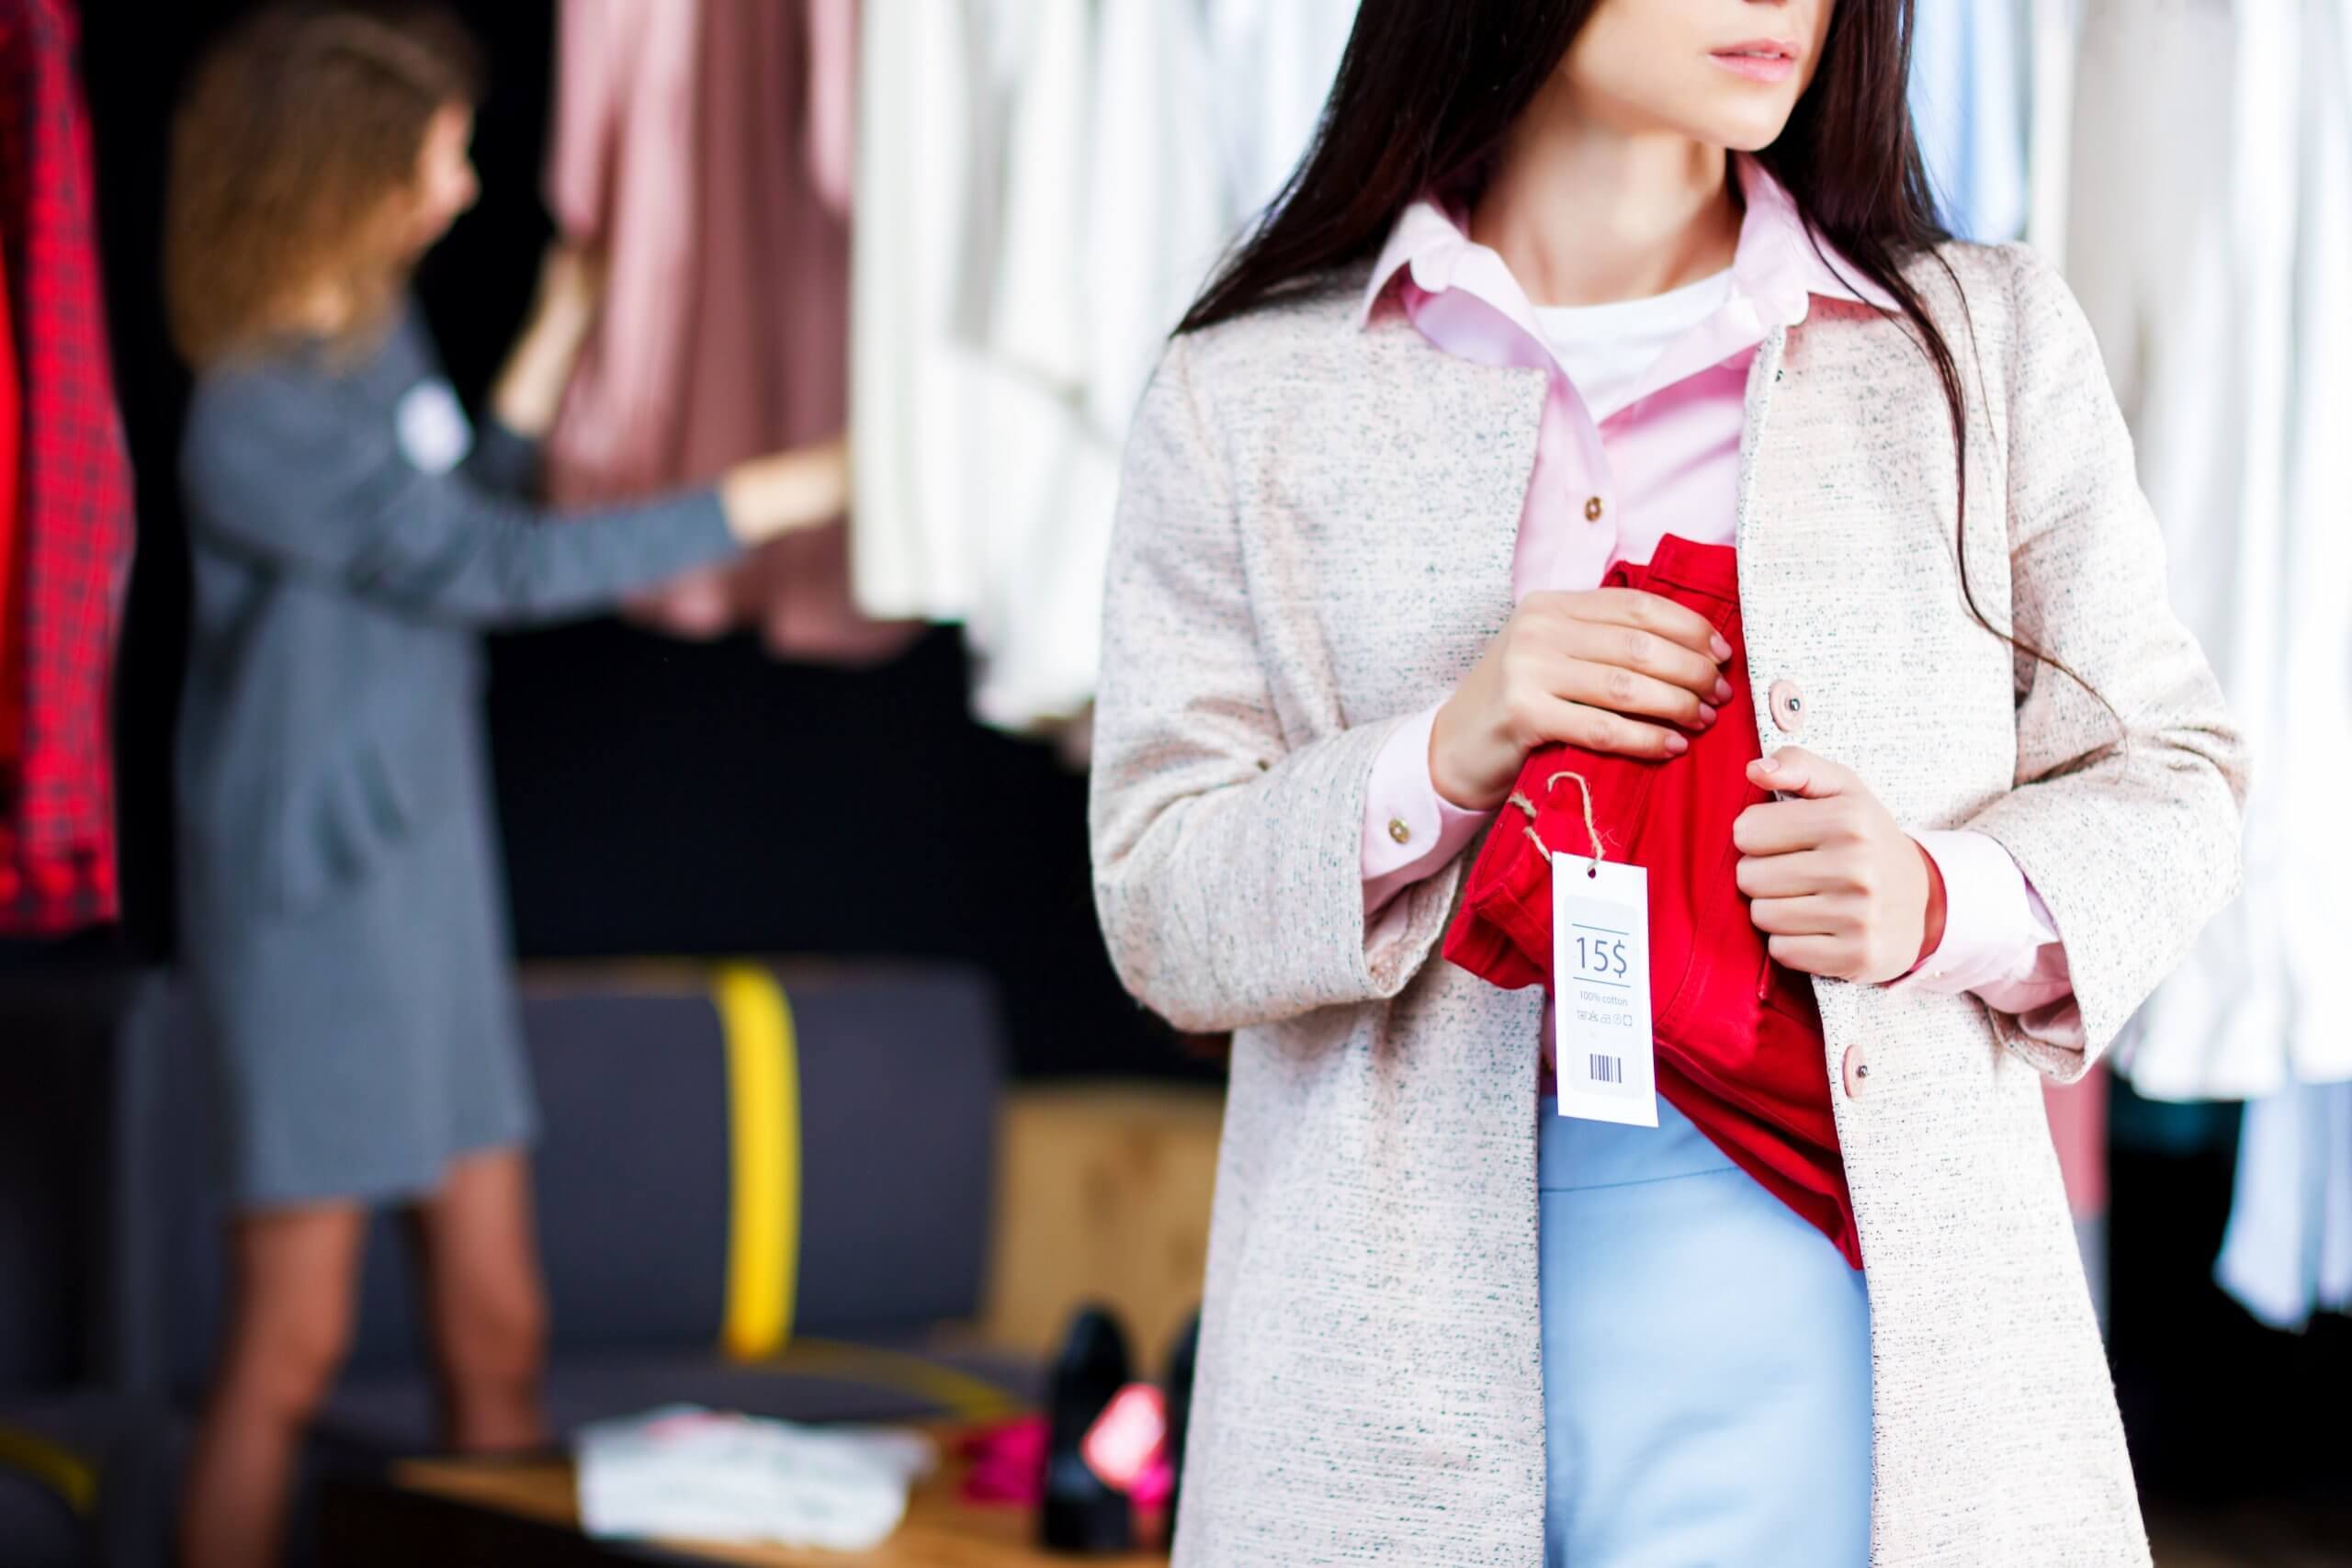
(1761, 62)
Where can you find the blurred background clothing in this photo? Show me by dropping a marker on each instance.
(65, 549)
(1042, 188)
(702, 145)
(2223, 205)
(2214, 148)
(1971, 87)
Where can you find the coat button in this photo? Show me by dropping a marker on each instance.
(1788, 706)
(1855, 1072)
(1399, 831)
(1592, 509)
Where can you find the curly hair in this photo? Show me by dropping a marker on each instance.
(297, 131)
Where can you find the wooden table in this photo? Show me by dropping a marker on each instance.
(525, 1514)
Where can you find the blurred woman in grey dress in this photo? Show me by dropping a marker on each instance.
(342, 919)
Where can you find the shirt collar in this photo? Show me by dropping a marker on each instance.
(1777, 269)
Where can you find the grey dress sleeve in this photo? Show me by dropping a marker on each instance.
(502, 462)
(292, 470)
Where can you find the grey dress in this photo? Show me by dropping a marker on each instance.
(342, 912)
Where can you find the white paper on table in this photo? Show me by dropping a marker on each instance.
(687, 1472)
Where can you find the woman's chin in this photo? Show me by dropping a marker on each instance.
(1742, 128)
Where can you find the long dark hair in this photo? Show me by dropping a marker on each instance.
(1430, 89)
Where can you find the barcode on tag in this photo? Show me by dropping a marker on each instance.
(1606, 1069)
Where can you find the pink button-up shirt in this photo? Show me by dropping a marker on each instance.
(1666, 460)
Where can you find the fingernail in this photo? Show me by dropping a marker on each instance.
(1675, 745)
(1706, 713)
(1723, 648)
(1768, 765)
(1723, 690)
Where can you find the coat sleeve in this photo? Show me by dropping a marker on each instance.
(1227, 861)
(282, 471)
(2125, 822)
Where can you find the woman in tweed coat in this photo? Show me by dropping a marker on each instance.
(1949, 582)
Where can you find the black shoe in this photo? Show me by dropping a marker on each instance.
(1082, 1513)
(1180, 1357)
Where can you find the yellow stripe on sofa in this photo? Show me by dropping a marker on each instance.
(58, 1468)
(763, 1126)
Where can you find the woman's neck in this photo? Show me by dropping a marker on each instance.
(326, 310)
(1586, 214)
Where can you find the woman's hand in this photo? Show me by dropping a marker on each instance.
(530, 386)
(1594, 668)
(571, 286)
(1835, 885)
(773, 496)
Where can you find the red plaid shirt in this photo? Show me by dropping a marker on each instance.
(73, 521)
(12, 430)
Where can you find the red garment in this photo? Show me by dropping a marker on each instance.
(12, 423)
(1738, 1037)
(74, 520)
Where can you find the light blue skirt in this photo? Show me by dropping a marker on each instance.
(1706, 1361)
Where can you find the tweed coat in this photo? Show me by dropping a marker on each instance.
(1315, 540)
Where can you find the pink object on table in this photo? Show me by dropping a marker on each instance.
(1129, 1437)
(1006, 1464)
(704, 145)
(1154, 1484)
(1664, 459)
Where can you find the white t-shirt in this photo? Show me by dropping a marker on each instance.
(1606, 348)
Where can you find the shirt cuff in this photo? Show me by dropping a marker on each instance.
(1409, 830)
(1998, 940)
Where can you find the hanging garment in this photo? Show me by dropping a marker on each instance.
(2210, 233)
(2051, 53)
(12, 628)
(2288, 1252)
(704, 145)
(1037, 199)
(919, 179)
(1048, 317)
(1274, 62)
(1738, 1037)
(1111, 214)
(73, 518)
(1968, 105)
(1043, 187)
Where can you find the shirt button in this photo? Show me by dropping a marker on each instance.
(1788, 706)
(1855, 1072)
(1398, 831)
(1592, 509)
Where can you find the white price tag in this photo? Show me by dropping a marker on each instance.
(1600, 981)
